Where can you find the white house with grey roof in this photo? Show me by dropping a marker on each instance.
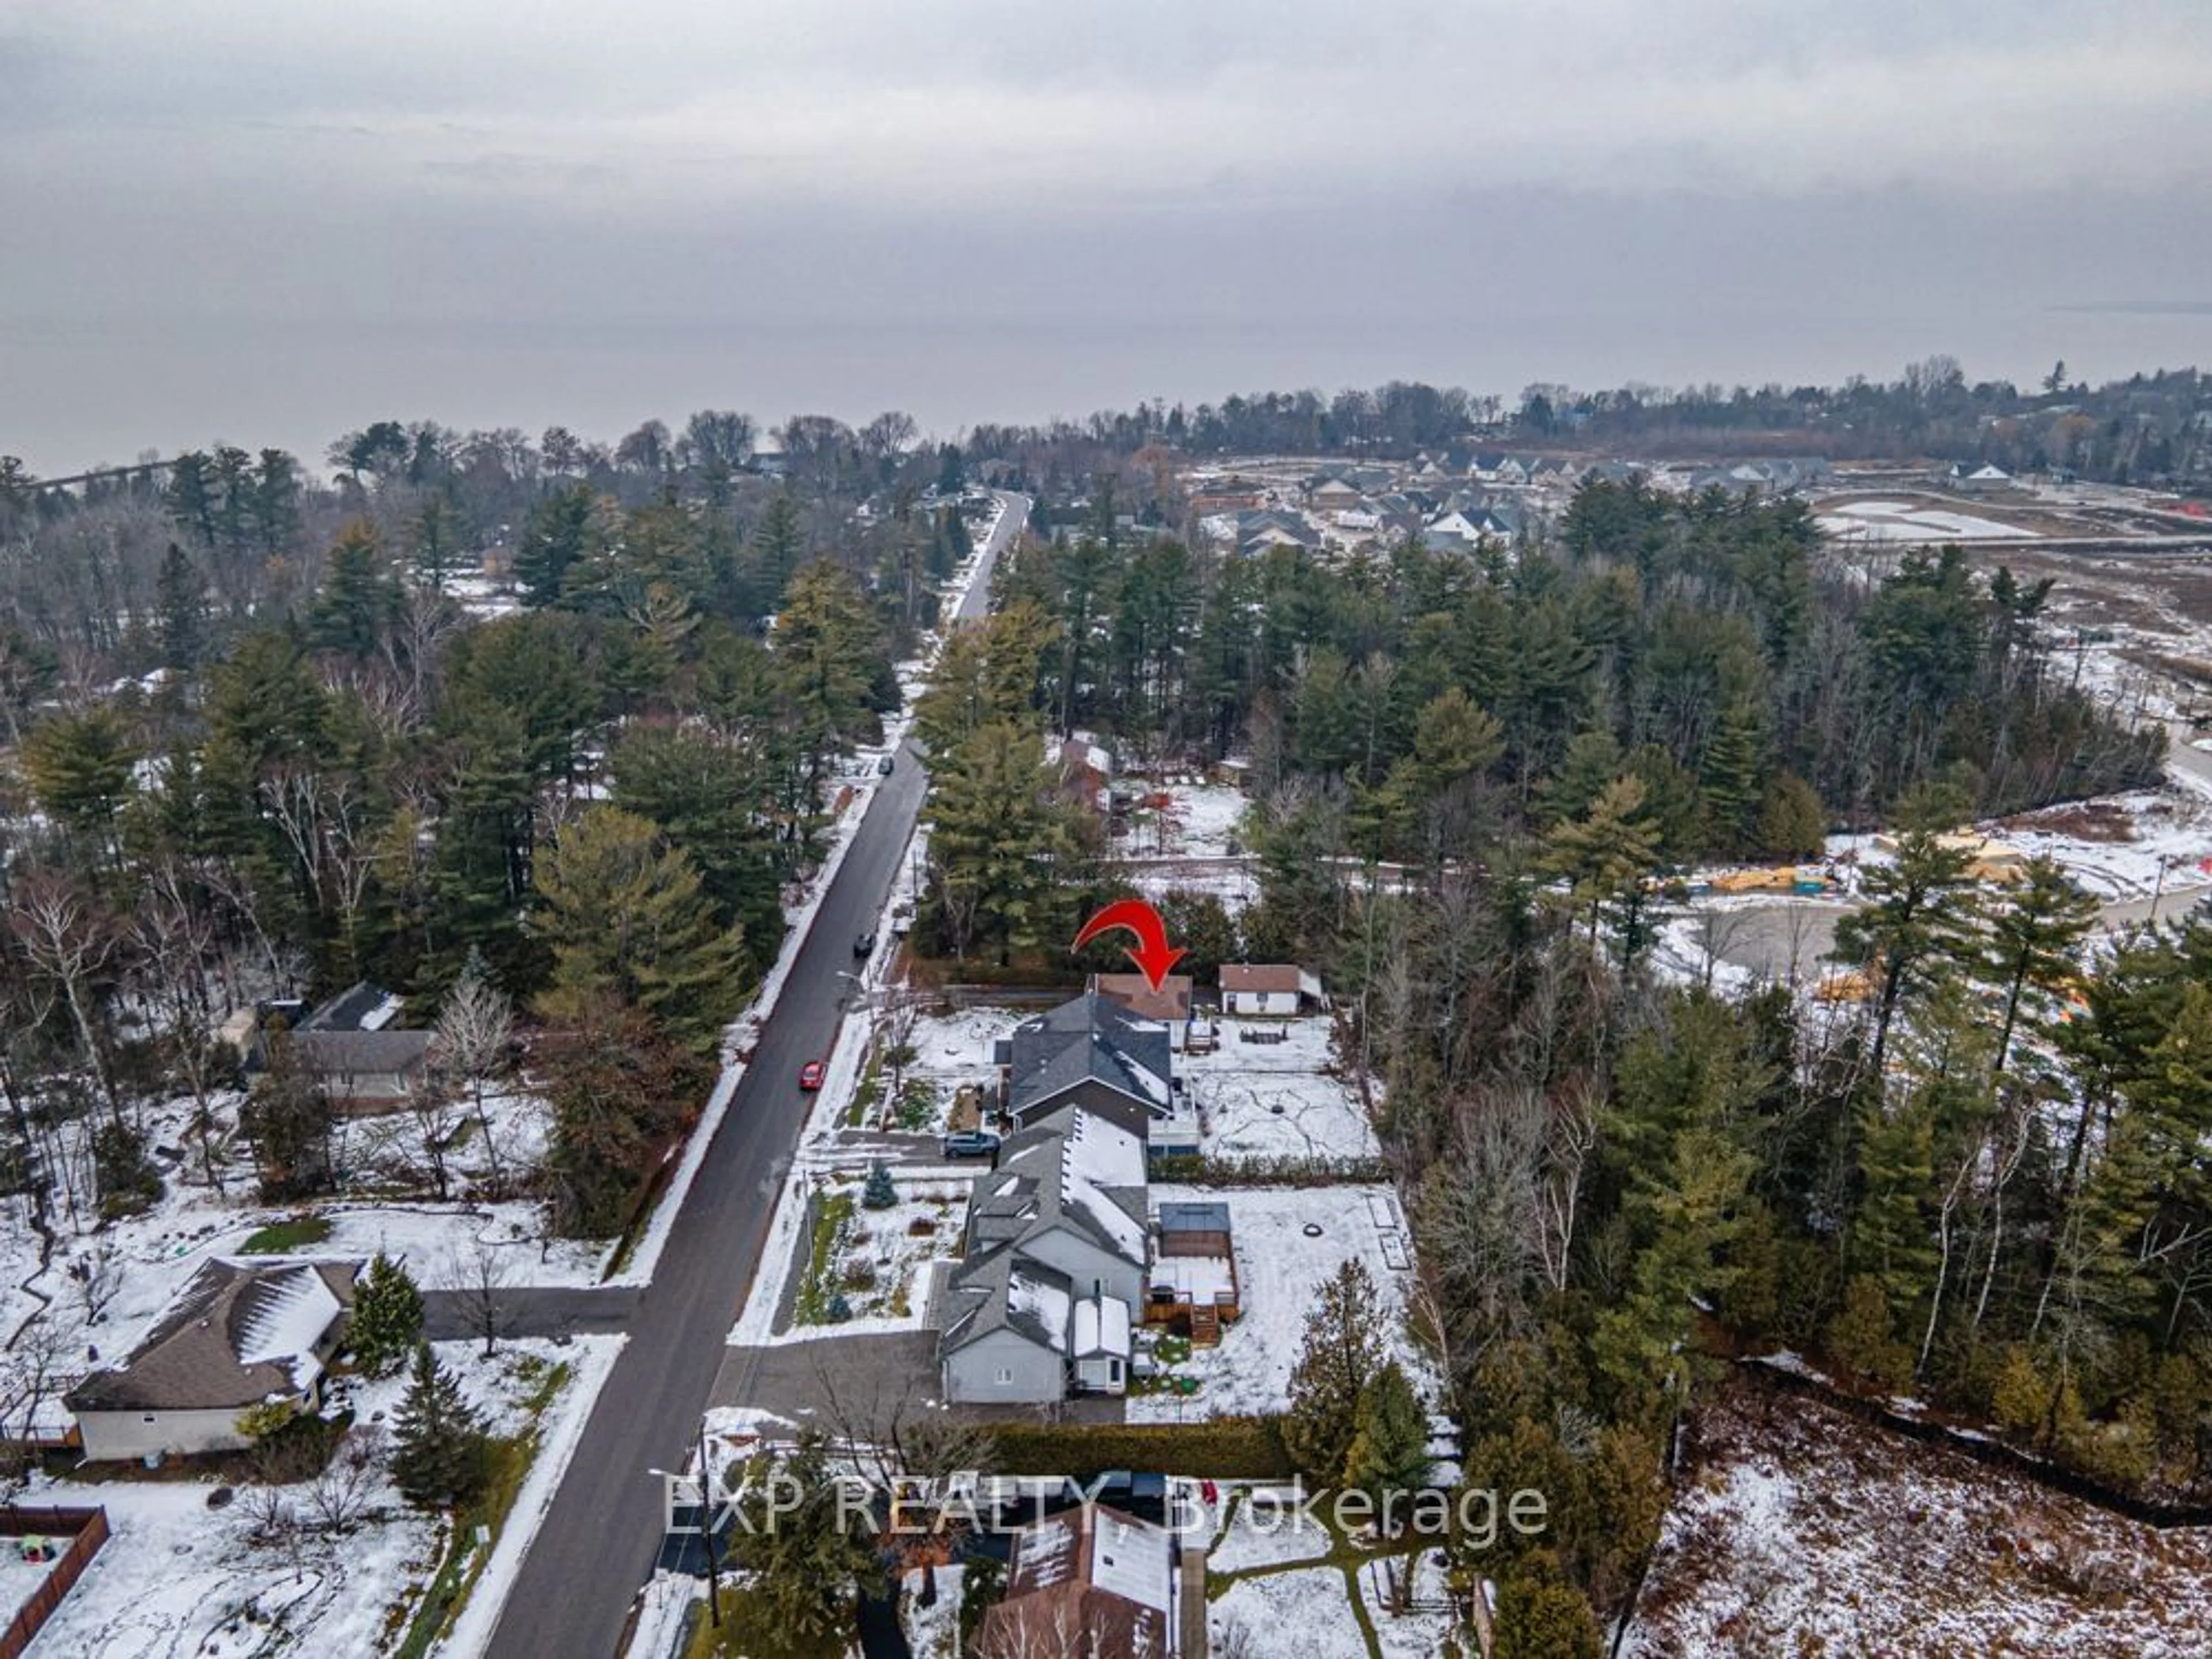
(1045, 1297)
(239, 1334)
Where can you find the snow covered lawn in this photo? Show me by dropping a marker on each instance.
(1280, 1269)
(1418, 1632)
(881, 1260)
(1271, 1537)
(1199, 821)
(1313, 1602)
(1276, 1099)
(177, 1579)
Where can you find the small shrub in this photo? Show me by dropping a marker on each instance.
(880, 1194)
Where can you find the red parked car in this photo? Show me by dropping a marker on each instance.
(809, 1075)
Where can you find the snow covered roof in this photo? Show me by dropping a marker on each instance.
(1098, 1156)
(1039, 1297)
(1102, 1327)
(1087, 1179)
(238, 1333)
(1092, 1581)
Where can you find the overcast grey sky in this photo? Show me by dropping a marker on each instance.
(267, 221)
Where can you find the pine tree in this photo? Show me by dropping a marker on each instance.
(1539, 1618)
(807, 1559)
(387, 1318)
(438, 555)
(1002, 856)
(438, 1447)
(880, 1193)
(628, 921)
(81, 766)
(557, 537)
(2034, 936)
(1390, 1449)
(1730, 775)
(1343, 1349)
(180, 611)
(778, 541)
(358, 599)
(828, 643)
(1915, 919)
(1792, 823)
(1605, 855)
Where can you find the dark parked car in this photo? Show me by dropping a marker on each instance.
(863, 944)
(884, 766)
(971, 1143)
(1143, 1495)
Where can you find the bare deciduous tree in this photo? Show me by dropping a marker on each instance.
(70, 937)
(480, 1276)
(339, 1497)
(28, 1381)
(476, 1026)
(437, 1116)
(99, 1277)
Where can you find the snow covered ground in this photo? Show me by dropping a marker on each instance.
(1905, 521)
(1199, 820)
(1314, 1603)
(1804, 1530)
(1276, 1099)
(1418, 1632)
(1281, 1268)
(2123, 847)
(590, 1359)
(885, 1259)
(177, 1579)
(1278, 1537)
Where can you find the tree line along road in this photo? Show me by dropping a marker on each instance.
(597, 1541)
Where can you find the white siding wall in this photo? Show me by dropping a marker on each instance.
(126, 1437)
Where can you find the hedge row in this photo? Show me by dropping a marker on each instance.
(1216, 1448)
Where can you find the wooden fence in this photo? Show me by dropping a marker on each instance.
(86, 1529)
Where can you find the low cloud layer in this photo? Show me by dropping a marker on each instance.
(851, 195)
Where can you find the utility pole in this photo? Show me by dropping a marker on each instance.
(707, 1523)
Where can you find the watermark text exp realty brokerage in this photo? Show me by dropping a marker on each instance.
(1473, 1517)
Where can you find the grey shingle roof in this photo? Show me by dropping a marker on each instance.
(361, 1054)
(1093, 1038)
(206, 1354)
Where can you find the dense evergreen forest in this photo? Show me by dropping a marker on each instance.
(272, 737)
(1470, 779)
(2153, 429)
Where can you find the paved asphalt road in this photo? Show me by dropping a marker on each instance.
(597, 1543)
(524, 1310)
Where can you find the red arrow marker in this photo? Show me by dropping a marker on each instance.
(1153, 955)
